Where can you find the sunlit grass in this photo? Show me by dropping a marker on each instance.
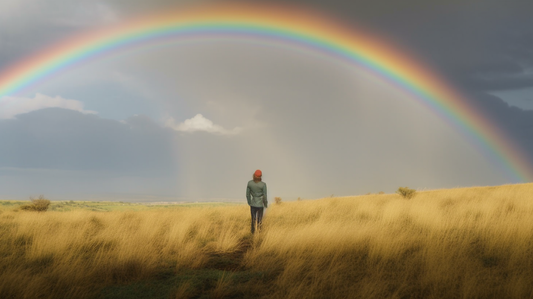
(457, 243)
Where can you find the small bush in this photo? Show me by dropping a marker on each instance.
(381, 192)
(406, 192)
(277, 200)
(40, 204)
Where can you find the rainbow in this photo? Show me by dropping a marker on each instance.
(288, 26)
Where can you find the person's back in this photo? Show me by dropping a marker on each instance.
(256, 191)
(256, 195)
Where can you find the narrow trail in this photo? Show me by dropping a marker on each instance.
(224, 268)
(230, 261)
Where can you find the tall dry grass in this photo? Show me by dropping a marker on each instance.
(457, 243)
(71, 254)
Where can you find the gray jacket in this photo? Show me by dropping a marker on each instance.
(256, 194)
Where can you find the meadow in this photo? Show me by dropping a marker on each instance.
(455, 243)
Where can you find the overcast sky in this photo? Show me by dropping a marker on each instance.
(194, 121)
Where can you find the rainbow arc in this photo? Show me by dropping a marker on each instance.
(292, 27)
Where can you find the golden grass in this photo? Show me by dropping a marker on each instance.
(456, 243)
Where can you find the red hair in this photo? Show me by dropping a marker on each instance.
(257, 175)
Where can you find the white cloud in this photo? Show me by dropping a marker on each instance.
(13, 106)
(200, 123)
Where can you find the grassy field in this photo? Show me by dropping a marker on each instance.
(456, 243)
(107, 206)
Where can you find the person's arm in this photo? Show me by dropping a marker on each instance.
(265, 199)
(248, 197)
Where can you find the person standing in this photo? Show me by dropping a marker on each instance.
(256, 194)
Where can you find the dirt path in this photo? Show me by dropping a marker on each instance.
(231, 261)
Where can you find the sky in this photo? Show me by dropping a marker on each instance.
(192, 121)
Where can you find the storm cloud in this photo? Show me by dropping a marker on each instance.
(56, 138)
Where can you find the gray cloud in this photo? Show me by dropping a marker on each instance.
(517, 123)
(314, 122)
(498, 82)
(62, 139)
(459, 39)
(28, 26)
(463, 40)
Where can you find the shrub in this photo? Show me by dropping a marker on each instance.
(406, 192)
(40, 204)
(277, 200)
(381, 192)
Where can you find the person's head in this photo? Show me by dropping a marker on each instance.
(257, 175)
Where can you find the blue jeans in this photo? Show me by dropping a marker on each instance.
(257, 218)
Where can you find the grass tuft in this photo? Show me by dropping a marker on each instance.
(39, 204)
